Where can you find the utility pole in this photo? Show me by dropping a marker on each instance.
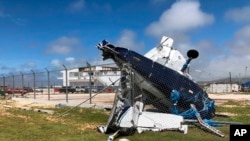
(90, 82)
(230, 79)
(246, 73)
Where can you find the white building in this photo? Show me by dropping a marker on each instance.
(101, 76)
(223, 88)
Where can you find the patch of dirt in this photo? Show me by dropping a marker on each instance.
(81, 127)
(34, 104)
(3, 112)
(222, 98)
(86, 126)
(26, 104)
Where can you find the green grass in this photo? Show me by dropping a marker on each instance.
(80, 125)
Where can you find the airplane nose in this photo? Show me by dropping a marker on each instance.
(102, 44)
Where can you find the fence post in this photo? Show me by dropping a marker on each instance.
(3, 81)
(34, 83)
(22, 80)
(90, 82)
(48, 83)
(66, 75)
(13, 83)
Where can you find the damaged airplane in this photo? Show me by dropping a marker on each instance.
(156, 93)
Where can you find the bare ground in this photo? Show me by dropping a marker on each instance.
(221, 98)
(43, 100)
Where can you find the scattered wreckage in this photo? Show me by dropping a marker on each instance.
(156, 93)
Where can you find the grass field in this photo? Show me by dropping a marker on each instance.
(80, 125)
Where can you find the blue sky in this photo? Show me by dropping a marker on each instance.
(37, 34)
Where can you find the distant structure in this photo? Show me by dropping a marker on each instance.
(100, 76)
(246, 86)
(223, 88)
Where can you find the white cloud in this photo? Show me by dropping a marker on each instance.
(69, 62)
(128, 40)
(2, 15)
(13, 19)
(77, 6)
(5, 69)
(70, 59)
(60, 49)
(216, 62)
(29, 65)
(239, 46)
(56, 63)
(157, 2)
(243, 33)
(183, 16)
(223, 66)
(239, 15)
(208, 52)
(63, 46)
(105, 7)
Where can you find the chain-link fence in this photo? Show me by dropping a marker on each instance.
(63, 83)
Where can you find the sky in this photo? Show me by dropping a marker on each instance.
(38, 34)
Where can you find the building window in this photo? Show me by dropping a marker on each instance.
(73, 74)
